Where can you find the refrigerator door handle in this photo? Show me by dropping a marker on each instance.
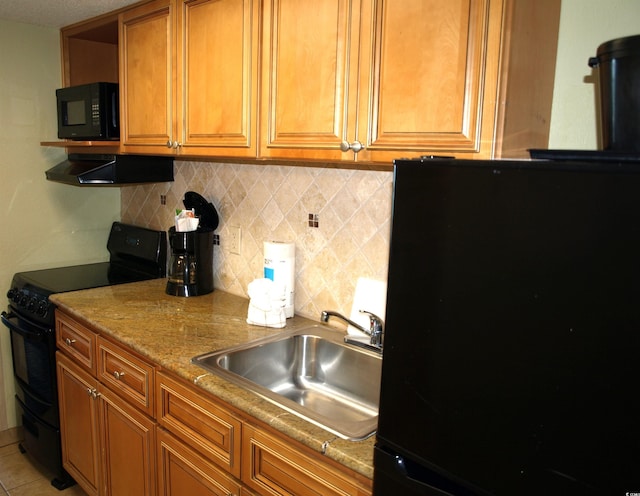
(413, 477)
(391, 468)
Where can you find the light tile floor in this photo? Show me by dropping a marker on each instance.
(21, 476)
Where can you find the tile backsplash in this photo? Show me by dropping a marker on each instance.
(338, 219)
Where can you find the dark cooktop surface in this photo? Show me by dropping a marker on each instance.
(75, 277)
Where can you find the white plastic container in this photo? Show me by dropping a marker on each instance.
(279, 266)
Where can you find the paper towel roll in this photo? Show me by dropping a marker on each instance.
(279, 266)
(371, 295)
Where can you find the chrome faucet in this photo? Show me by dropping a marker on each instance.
(375, 331)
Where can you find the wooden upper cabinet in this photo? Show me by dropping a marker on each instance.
(326, 80)
(189, 77)
(424, 66)
(146, 78)
(372, 80)
(389, 79)
(309, 64)
(218, 77)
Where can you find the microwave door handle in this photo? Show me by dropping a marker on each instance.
(114, 109)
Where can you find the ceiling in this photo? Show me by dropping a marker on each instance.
(57, 13)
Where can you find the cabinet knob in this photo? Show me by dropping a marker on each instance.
(93, 393)
(355, 147)
(118, 375)
(69, 341)
(169, 144)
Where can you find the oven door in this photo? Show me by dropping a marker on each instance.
(33, 351)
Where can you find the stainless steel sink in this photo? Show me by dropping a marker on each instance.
(311, 373)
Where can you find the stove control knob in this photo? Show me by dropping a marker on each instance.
(23, 300)
(10, 293)
(41, 310)
(15, 295)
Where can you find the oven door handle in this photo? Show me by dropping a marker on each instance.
(38, 333)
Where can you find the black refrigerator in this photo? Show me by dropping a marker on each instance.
(511, 362)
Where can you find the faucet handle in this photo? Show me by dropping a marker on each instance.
(375, 327)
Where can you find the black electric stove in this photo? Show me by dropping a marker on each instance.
(135, 254)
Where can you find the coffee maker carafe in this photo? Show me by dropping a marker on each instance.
(190, 271)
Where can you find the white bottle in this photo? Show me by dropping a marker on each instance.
(279, 266)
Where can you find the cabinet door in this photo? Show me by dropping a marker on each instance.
(147, 90)
(128, 441)
(428, 77)
(182, 471)
(79, 424)
(309, 65)
(218, 79)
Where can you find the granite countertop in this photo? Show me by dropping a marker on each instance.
(170, 330)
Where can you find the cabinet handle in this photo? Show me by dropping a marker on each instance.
(173, 144)
(355, 147)
(93, 393)
(118, 375)
(169, 144)
(69, 341)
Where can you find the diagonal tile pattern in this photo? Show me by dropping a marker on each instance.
(353, 210)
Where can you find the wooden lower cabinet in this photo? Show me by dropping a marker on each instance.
(200, 423)
(128, 448)
(217, 439)
(107, 445)
(272, 466)
(108, 433)
(183, 471)
(79, 424)
(130, 428)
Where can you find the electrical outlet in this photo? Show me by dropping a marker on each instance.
(234, 239)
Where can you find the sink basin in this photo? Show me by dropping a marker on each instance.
(311, 373)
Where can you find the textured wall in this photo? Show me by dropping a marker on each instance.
(584, 25)
(44, 224)
(353, 209)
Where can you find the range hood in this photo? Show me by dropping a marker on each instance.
(111, 170)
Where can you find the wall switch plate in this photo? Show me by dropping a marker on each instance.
(234, 239)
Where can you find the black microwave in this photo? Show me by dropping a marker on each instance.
(88, 112)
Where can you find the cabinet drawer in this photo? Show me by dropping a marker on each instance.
(127, 375)
(76, 341)
(275, 467)
(200, 423)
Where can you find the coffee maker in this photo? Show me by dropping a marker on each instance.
(190, 271)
